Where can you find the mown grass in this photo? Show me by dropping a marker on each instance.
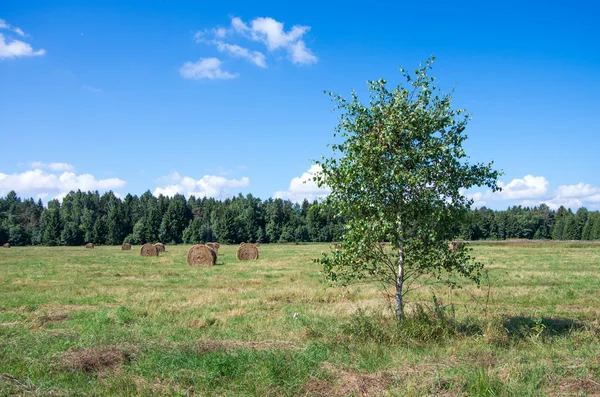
(75, 321)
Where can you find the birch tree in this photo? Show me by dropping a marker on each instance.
(398, 179)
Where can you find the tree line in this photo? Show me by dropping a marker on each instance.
(538, 223)
(106, 219)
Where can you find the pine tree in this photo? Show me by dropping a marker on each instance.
(100, 231)
(586, 233)
(139, 232)
(571, 231)
(195, 233)
(52, 224)
(71, 235)
(116, 224)
(152, 221)
(595, 234)
(175, 220)
(557, 231)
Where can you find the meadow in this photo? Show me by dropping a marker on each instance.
(102, 321)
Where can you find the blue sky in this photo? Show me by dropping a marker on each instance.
(216, 99)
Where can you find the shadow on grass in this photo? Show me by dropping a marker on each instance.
(437, 324)
(521, 326)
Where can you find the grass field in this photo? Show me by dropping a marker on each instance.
(75, 321)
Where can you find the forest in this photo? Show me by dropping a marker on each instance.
(84, 217)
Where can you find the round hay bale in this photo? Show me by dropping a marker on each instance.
(214, 247)
(126, 247)
(160, 247)
(454, 245)
(247, 252)
(6, 245)
(257, 245)
(201, 255)
(89, 245)
(148, 250)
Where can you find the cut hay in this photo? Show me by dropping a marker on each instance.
(148, 250)
(201, 255)
(126, 247)
(6, 245)
(247, 252)
(214, 247)
(455, 245)
(160, 247)
(96, 359)
(89, 245)
(257, 245)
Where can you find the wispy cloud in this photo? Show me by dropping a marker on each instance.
(205, 68)
(52, 166)
(6, 26)
(256, 57)
(264, 30)
(92, 89)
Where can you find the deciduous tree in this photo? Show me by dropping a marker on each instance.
(398, 177)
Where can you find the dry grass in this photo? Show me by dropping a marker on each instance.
(343, 382)
(231, 345)
(93, 360)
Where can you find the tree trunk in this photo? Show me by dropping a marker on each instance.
(400, 278)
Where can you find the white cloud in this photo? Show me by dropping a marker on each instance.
(527, 188)
(575, 196)
(205, 68)
(271, 33)
(17, 48)
(534, 190)
(42, 183)
(209, 185)
(578, 190)
(303, 187)
(52, 166)
(4, 25)
(300, 54)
